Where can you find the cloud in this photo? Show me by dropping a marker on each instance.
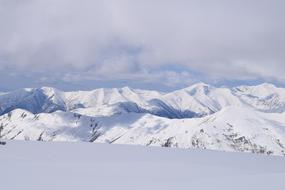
(133, 40)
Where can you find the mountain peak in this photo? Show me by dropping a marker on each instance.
(127, 89)
(199, 85)
(266, 85)
(261, 90)
(200, 88)
(48, 89)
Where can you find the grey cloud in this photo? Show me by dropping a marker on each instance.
(123, 39)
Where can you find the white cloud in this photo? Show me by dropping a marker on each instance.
(129, 39)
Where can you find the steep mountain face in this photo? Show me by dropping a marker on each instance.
(265, 97)
(34, 100)
(245, 118)
(202, 99)
(195, 101)
(251, 131)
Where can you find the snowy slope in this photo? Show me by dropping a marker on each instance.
(251, 131)
(265, 97)
(245, 118)
(195, 101)
(72, 166)
(34, 100)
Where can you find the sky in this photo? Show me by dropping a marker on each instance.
(162, 44)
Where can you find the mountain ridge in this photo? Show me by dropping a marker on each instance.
(201, 99)
(244, 118)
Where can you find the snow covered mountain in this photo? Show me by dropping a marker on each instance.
(245, 118)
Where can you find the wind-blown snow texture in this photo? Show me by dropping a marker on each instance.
(245, 118)
(73, 166)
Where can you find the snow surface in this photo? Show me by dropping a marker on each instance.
(54, 166)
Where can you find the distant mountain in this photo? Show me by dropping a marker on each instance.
(245, 118)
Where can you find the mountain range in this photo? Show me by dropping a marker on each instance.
(243, 118)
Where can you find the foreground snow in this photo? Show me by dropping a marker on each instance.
(52, 166)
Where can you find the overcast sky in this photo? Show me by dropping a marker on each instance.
(161, 44)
